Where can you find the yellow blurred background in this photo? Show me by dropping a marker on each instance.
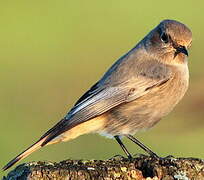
(51, 52)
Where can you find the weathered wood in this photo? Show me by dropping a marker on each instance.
(140, 168)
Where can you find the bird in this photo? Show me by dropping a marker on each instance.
(139, 89)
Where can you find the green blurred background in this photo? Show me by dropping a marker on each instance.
(52, 51)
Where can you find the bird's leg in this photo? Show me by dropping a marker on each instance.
(145, 148)
(123, 147)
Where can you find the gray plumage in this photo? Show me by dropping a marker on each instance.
(135, 93)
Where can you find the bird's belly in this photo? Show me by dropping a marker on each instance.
(146, 111)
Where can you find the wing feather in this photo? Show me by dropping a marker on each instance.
(102, 101)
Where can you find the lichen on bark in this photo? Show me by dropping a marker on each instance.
(140, 168)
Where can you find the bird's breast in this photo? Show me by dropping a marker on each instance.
(147, 110)
(161, 100)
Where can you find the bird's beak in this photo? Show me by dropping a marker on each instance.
(181, 49)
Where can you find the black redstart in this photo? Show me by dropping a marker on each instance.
(134, 94)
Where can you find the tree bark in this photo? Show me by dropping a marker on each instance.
(139, 168)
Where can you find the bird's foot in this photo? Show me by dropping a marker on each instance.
(162, 158)
(152, 155)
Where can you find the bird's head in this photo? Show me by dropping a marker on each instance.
(169, 42)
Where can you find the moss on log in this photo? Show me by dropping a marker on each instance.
(139, 168)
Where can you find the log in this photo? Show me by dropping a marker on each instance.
(139, 168)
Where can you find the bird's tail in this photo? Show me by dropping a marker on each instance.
(25, 153)
(62, 131)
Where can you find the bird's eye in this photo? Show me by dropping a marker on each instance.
(164, 38)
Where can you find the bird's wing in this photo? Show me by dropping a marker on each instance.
(99, 100)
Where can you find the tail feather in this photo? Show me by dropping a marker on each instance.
(61, 132)
(40, 143)
(25, 153)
